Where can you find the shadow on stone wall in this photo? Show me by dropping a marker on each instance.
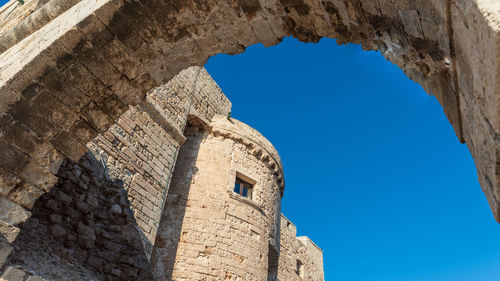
(272, 263)
(169, 232)
(83, 229)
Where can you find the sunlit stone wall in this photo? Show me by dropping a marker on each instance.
(300, 258)
(208, 231)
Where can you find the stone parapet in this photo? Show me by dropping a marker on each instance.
(257, 144)
(300, 258)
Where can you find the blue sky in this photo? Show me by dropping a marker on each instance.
(375, 174)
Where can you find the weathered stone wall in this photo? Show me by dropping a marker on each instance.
(138, 153)
(296, 250)
(100, 219)
(72, 68)
(207, 231)
(13, 12)
(83, 229)
(141, 147)
(66, 74)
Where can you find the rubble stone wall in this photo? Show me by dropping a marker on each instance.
(83, 229)
(105, 208)
(298, 250)
(207, 231)
(107, 213)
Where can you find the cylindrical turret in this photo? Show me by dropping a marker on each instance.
(222, 216)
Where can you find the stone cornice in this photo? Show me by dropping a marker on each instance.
(173, 131)
(263, 152)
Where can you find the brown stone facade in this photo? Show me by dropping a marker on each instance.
(70, 69)
(153, 199)
(221, 235)
(141, 148)
(300, 258)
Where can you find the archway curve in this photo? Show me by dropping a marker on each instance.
(73, 76)
(342, 114)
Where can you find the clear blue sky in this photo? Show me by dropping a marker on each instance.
(375, 174)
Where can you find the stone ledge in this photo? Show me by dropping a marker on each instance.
(164, 123)
(245, 200)
(305, 239)
(33, 22)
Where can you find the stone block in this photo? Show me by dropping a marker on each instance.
(83, 132)
(8, 232)
(95, 31)
(63, 89)
(96, 63)
(127, 92)
(5, 250)
(7, 97)
(7, 182)
(96, 117)
(13, 274)
(119, 57)
(21, 137)
(33, 119)
(87, 81)
(26, 195)
(11, 158)
(114, 107)
(411, 23)
(55, 110)
(12, 213)
(69, 146)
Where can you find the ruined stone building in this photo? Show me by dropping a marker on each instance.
(93, 127)
(173, 191)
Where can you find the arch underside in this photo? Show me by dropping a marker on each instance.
(67, 76)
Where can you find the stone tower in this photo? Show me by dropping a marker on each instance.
(222, 217)
(173, 191)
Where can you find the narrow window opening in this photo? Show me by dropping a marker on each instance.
(300, 269)
(243, 188)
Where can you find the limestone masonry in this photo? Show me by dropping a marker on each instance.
(95, 130)
(154, 198)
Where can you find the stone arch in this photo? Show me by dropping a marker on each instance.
(68, 73)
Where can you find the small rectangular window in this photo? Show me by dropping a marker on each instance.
(243, 188)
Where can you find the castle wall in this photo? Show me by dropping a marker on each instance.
(141, 147)
(83, 229)
(105, 215)
(102, 214)
(220, 235)
(298, 250)
(64, 61)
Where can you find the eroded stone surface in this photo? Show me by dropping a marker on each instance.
(100, 220)
(208, 232)
(75, 232)
(99, 53)
(65, 80)
(300, 258)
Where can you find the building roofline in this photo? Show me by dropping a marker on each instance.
(312, 242)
